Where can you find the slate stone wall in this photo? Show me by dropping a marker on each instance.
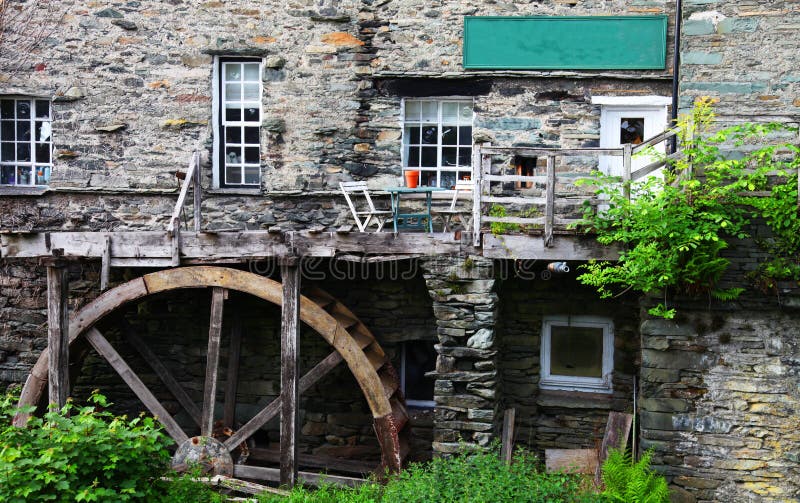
(720, 403)
(744, 54)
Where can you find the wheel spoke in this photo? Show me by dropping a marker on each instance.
(212, 361)
(107, 351)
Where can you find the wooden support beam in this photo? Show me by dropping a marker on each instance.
(107, 351)
(212, 361)
(197, 192)
(550, 197)
(273, 475)
(627, 150)
(232, 374)
(105, 265)
(290, 392)
(162, 372)
(57, 332)
(507, 441)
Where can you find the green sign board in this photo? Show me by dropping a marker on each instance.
(565, 43)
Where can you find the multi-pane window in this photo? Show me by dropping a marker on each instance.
(26, 147)
(240, 123)
(577, 353)
(437, 141)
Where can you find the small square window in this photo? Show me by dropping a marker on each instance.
(577, 353)
(416, 359)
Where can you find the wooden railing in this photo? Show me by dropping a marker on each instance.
(483, 176)
(192, 180)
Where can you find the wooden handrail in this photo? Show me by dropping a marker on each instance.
(187, 182)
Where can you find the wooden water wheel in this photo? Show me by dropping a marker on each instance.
(351, 340)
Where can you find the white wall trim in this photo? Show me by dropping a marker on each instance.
(632, 101)
(215, 123)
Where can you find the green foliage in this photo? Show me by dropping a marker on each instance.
(673, 230)
(627, 481)
(499, 227)
(80, 454)
(469, 477)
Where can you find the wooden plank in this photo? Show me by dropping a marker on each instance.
(315, 461)
(479, 164)
(174, 221)
(571, 460)
(290, 362)
(232, 373)
(654, 140)
(241, 486)
(105, 264)
(531, 152)
(550, 196)
(271, 410)
(515, 200)
(273, 475)
(516, 178)
(212, 361)
(507, 439)
(175, 243)
(646, 170)
(162, 372)
(532, 248)
(618, 428)
(107, 351)
(58, 334)
(197, 192)
(515, 220)
(626, 170)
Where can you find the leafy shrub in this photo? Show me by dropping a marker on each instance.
(470, 477)
(80, 454)
(627, 481)
(674, 229)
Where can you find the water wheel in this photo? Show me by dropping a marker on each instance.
(350, 338)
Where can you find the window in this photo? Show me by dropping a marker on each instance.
(237, 138)
(26, 146)
(625, 119)
(417, 358)
(437, 141)
(577, 353)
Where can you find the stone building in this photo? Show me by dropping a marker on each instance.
(103, 111)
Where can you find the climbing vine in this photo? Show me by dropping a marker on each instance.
(674, 229)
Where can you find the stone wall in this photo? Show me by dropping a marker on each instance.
(560, 419)
(744, 54)
(720, 390)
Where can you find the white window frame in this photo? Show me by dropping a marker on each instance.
(438, 168)
(551, 381)
(32, 165)
(414, 403)
(218, 101)
(613, 108)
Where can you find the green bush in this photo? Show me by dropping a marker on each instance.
(627, 481)
(80, 454)
(470, 477)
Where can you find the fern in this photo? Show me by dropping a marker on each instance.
(627, 481)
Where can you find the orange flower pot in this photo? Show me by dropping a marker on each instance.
(412, 179)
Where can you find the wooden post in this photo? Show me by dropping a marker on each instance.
(507, 441)
(627, 151)
(232, 375)
(198, 217)
(477, 167)
(550, 197)
(212, 361)
(290, 309)
(105, 265)
(57, 331)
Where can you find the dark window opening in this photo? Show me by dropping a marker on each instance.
(631, 130)
(525, 166)
(417, 358)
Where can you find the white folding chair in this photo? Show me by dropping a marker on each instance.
(464, 214)
(363, 217)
